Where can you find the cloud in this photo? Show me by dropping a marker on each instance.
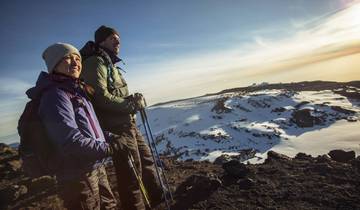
(12, 102)
(13, 87)
(316, 40)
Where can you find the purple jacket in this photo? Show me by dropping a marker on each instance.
(70, 121)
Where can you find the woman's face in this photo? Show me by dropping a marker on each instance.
(70, 65)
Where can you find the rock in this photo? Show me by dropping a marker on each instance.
(41, 184)
(236, 169)
(279, 109)
(246, 183)
(323, 159)
(245, 154)
(220, 106)
(341, 155)
(199, 183)
(271, 155)
(6, 152)
(342, 110)
(321, 168)
(356, 163)
(222, 159)
(12, 193)
(14, 165)
(302, 156)
(297, 106)
(304, 118)
(352, 119)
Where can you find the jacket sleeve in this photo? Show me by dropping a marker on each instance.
(57, 114)
(95, 74)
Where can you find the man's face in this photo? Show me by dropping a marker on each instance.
(112, 43)
(69, 65)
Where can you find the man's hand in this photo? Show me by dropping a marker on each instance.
(139, 101)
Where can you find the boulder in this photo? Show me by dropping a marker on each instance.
(235, 169)
(220, 106)
(41, 184)
(302, 156)
(271, 155)
(304, 118)
(197, 184)
(222, 159)
(341, 155)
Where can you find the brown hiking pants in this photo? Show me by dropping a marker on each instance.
(128, 187)
(92, 191)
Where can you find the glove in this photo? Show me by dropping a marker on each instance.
(139, 101)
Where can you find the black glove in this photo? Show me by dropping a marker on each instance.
(137, 102)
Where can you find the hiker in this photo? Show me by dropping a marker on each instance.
(116, 110)
(71, 124)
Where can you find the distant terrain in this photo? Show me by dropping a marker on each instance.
(251, 120)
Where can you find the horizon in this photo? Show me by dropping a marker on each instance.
(172, 55)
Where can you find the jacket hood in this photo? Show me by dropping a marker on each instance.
(46, 81)
(91, 48)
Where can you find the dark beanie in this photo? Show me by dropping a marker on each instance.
(103, 32)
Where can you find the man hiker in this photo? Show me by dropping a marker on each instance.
(81, 147)
(116, 110)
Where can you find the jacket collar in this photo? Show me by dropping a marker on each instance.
(113, 57)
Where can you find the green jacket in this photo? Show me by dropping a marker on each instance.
(110, 91)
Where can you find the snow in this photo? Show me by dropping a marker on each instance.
(340, 135)
(191, 129)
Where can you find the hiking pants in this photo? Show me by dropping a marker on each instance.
(92, 191)
(128, 187)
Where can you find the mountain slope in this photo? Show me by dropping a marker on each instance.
(250, 121)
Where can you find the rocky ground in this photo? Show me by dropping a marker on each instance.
(330, 181)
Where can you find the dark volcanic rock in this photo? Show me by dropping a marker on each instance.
(303, 156)
(196, 188)
(303, 182)
(222, 159)
(342, 110)
(271, 155)
(12, 193)
(304, 118)
(356, 163)
(342, 156)
(220, 107)
(246, 183)
(235, 169)
(349, 92)
(243, 155)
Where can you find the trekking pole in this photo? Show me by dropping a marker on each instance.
(153, 156)
(138, 178)
(156, 152)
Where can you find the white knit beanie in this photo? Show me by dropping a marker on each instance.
(54, 53)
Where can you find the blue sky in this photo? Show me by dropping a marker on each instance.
(173, 49)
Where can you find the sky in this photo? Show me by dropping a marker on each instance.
(179, 49)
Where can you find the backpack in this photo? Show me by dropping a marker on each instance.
(37, 151)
